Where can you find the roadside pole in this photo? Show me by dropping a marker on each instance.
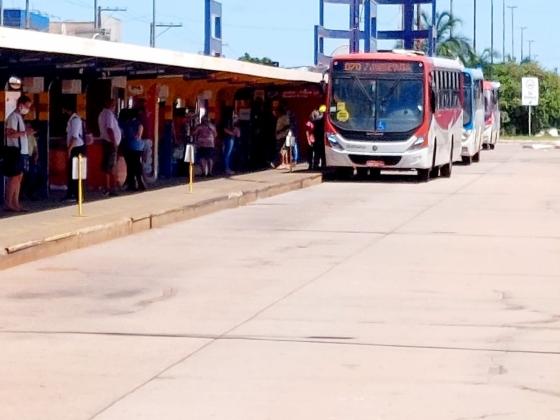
(530, 120)
(79, 173)
(189, 158)
(530, 97)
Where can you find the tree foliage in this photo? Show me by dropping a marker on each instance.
(449, 43)
(514, 115)
(264, 61)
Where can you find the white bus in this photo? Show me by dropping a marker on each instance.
(394, 111)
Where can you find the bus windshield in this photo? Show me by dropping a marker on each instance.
(468, 104)
(391, 103)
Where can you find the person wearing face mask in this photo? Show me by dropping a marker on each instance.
(18, 161)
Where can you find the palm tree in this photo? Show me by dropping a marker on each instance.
(448, 43)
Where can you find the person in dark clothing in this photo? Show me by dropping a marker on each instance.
(134, 150)
(315, 130)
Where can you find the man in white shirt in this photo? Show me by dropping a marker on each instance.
(18, 160)
(75, 141)
(111, 135)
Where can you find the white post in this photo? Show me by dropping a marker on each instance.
(530, 120)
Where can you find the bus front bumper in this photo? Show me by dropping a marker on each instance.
(414, 159)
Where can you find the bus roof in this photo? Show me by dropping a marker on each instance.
(476, 74)
(491, 85)
(404, 55)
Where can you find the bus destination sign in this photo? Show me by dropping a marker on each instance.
(372, 67)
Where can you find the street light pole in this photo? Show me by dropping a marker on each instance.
(503, 31)
(95, 22)
(492, 32)
(153, 28)
(523, 29)
(474, 35)
(530, 49)
(512, 8)
(27, 22)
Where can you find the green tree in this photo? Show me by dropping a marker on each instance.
(448, 42)
(514, 115)
(264, 61)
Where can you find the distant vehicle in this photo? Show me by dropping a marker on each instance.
(473, 116)
(492, 117)
(394, 111)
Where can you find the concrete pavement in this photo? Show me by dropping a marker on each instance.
(38, 235)
(364, 300)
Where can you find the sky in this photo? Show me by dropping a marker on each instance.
(283, 29)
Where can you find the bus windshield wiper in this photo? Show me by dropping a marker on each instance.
(363, 88)
(391, 91)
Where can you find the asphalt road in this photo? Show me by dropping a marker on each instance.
(376, 300)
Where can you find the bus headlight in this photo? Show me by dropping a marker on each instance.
(418, 143)
(332, 138)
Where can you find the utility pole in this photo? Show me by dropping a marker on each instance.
(1, 13)
(512, 8)
(523, 28)
(153, 26)
(531, 42)
(474, 36)
(95, 21)
(106, 9)
(503, 31)
(451, 13)
(27, 21)
(492, 32)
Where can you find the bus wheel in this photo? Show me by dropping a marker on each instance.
(343, 173)
(467, 160)
(492, 146)
(362, 173)
(476, 158)
(375, 173)
(423, 175)
(485, 146)
(447, 170)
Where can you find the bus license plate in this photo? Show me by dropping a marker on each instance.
(375, 163)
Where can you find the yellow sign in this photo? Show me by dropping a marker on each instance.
(341, 106)
(342, 115)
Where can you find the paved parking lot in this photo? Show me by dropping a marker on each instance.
(350, 300)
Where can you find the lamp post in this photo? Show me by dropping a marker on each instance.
(531, 42)
(503, 31)
(523, 29)
(512, 8)
(474, 30)
(492, 32)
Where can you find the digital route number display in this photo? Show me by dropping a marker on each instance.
(372, 67)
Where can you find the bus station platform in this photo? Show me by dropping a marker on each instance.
(32, 236)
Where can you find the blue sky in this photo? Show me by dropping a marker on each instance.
(283, 29)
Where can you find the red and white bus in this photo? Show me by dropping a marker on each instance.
(492, 115)
(394, 111)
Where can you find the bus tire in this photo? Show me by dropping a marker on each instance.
(375, 173)
(485, 146)
(476, 157)
(447, 169)
(467, 160)
(343, 172)
(492, 146)
(362, 173)
(423, 175)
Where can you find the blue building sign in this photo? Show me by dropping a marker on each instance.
(213, 28)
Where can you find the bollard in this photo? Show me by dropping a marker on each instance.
(189, 158)
(79, 173)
